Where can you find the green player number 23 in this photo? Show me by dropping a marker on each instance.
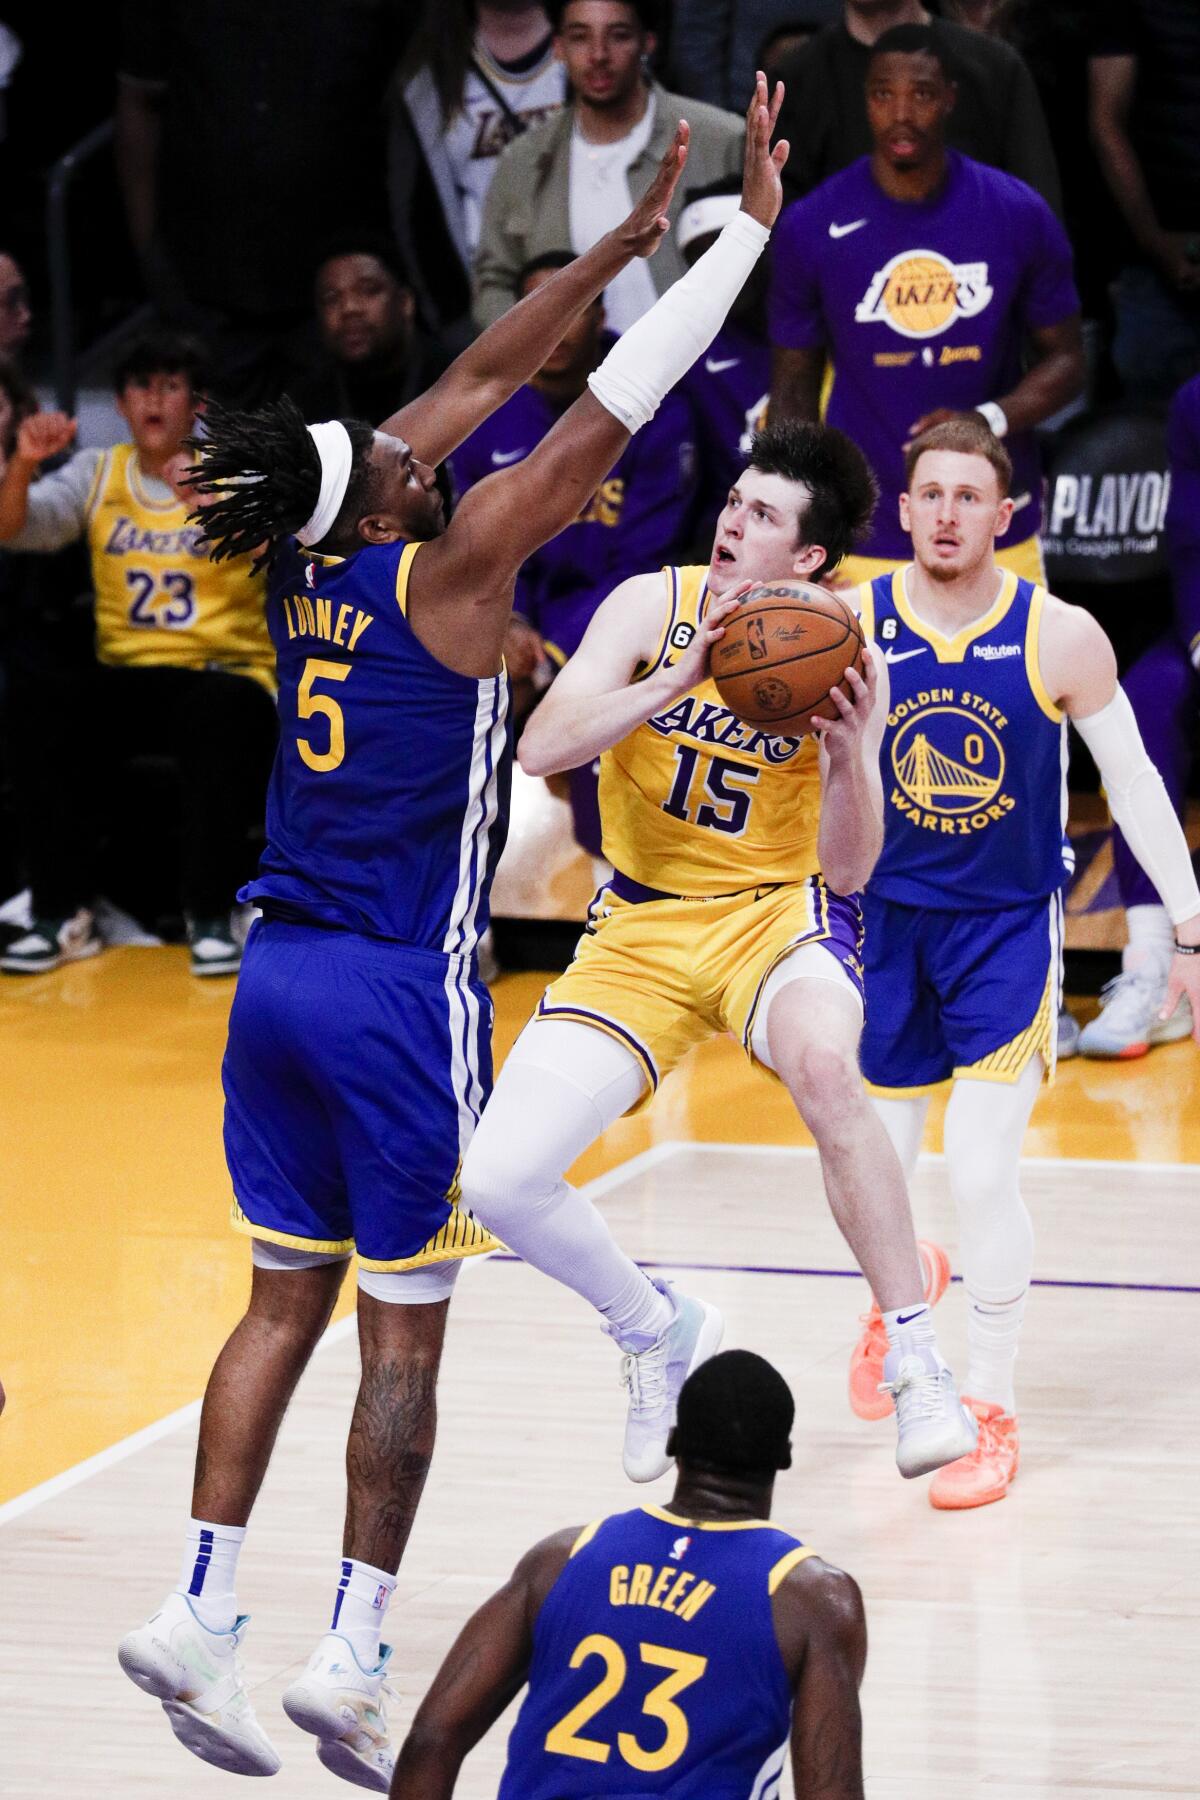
(564, 1739)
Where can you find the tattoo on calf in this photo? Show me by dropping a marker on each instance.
(388, 1457)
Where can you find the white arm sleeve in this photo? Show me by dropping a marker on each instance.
(644, 365)
(1140, 804)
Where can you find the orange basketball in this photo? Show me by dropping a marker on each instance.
(783, 650)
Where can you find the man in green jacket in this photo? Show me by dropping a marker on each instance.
(563, 184)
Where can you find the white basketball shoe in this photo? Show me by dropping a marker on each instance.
(934, 1425)
(1128, 1024)
(197, 1675)
(342, 1705)
(654, 1371)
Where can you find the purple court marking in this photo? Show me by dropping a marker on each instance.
(1044, 1281)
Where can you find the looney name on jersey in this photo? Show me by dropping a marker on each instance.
(948, 761)
(669, 1589)
(127, 535)
(315, 617)
(707, 723)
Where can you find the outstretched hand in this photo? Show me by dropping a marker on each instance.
(648, 224)
(762, 189)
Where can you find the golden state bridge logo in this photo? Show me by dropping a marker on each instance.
(949, 768)
(921, 293)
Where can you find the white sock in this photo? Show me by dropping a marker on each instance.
(362, 1600)
(910, 1329)
(993, 1328)
(209, 1572)
(1151, 937)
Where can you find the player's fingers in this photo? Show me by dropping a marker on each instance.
(855, 683)
(842, 701)
(780, 154)
(776, 103)
(1173, 994)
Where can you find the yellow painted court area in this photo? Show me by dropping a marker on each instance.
(121, 1277)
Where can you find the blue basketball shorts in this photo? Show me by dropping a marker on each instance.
(971, 994)
(354, 1075)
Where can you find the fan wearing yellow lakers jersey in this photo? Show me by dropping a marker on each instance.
(736, 858)
(185, 663)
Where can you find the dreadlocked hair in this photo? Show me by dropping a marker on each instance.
(263, 474)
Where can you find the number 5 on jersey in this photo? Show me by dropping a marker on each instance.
(310, 705)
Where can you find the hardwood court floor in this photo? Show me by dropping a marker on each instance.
(1043, 1646)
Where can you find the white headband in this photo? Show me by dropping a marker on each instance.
(702, 217)
(337, 456)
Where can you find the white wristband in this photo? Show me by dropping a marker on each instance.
(656, 352)
(1141, 806)
(995, 416)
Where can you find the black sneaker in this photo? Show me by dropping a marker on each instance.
(51, 942)
(215, 950)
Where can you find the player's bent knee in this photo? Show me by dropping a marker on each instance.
(825, 1083)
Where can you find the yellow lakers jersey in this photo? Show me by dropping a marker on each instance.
(698, 802)
(158, 597)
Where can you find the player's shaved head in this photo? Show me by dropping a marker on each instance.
(735, 1417)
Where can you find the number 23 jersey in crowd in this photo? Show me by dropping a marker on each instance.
(656, 1670)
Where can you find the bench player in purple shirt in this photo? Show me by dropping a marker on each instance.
(1164, 691)
(639, 517)
(919, 282)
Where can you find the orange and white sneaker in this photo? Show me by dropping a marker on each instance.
(987, 1473)
(866, 1361)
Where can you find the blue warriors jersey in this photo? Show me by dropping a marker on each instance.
(974, 755)
(388, 802)
(656, 1670)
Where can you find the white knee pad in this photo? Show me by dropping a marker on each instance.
(266, 1255)
(807, 962)
(410, 1287)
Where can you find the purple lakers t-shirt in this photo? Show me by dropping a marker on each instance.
(729, 387)
(921, 306)
(638, 519)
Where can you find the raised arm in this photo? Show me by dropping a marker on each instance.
(510, 515)
(594, 702)
(515, 347)
(486, 1666)
(62, 513)
(822, 1632)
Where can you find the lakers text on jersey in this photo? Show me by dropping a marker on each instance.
(656, 1669)
(158, 597)
(359, 1045)
(963, 913)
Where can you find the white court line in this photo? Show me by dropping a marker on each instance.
(1029, 1162)
(161, 1428)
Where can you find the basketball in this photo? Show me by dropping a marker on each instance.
(783, 650)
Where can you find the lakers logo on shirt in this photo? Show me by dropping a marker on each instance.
(920, 293)
(948, 762)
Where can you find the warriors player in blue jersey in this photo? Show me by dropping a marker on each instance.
(963, 913)
(669, 1650)
(358, 1057)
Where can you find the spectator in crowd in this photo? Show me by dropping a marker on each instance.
(242, 132)
(376, 356)
(477, 74)
(639, 517)
(730, 385)
(716, 45)
(998, 119)
(934, 284)
(1144, 78)
(1164, 690)
(18, 400)
(185, 663)
(568, 180)
(16, 315)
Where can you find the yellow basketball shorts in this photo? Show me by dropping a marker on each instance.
(1024, 559)
(662, 975)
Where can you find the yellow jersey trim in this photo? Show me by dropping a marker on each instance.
(1008, 1063)
(601, 1022)
(326, 1246)
(670, 1518)
(786, 1564)
(103, 465)
(403, 571)
(864, 594)
(136, 481)
(671, 574)
(585, 1537)
(952, 649)
(1033, 668)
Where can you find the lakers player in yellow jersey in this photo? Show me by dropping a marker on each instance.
(737, 855)
(185, 663)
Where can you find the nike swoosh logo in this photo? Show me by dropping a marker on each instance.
(500, 457)
(837, 231)
(905, 1318)
(714, 368)
(902, 655)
